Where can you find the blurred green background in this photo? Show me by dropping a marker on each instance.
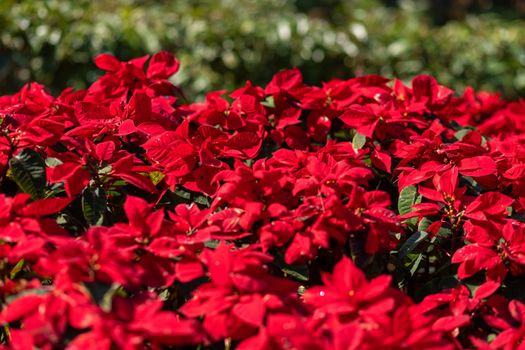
(223, 43)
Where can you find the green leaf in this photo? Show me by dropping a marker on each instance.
(165, 294)
(269, 102)
(54, 190)
(28, 170)
(94, 206)
(442, 232)
(472, 184)
(186, 196)
(415, 265)
(299, 272)
(462, 132)
(15, 270)
(102, 294)
(424, 224)
(105, 170)
(180, 192)
(407, 198)
(358, 141)
(202, 200)
(119, 183)
(53, 162)
(412, 242)
(343, 135)
(455, 125)
(212, 244)
(301, 290)
(156, 177)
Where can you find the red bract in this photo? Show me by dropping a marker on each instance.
(134, 324)
(19, 217)
(511, 321)
(240, 295)
(124, 77)
(32, 118)
(103, 164)
(43, 316)
(359, 214)
(284, 331)
(496, 255)
(347, 294)
(358, 313)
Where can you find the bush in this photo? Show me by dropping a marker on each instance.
(362, 214)
(52, 42)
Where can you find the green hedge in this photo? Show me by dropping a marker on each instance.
(225, 42)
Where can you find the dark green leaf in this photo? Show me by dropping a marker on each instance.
(412, 242)
(472, 185)
(299, 272)
(415, 265)
(202, 200)
(182, 193)
(102, 293)
(28, 170)
(185, 196)
(435, 285)
(94, 206)
(343, 135)
(424, 224)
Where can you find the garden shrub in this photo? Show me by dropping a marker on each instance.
(52, 42)
(360, 214)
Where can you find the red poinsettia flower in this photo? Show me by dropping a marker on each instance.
(240, 295)
(348, 294)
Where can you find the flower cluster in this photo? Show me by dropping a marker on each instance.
(361, 214)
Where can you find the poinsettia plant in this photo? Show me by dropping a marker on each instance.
(361, 214)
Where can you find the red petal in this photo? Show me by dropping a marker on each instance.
(45, 207)
(162, 65)
(105, 150)
(478, 166)
(187, 270)
(251, 312)
(107, 62)
(22, 307)
(381, 160)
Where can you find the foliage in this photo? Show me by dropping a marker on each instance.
(52, 42)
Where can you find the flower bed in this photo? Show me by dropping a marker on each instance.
(362, 214)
